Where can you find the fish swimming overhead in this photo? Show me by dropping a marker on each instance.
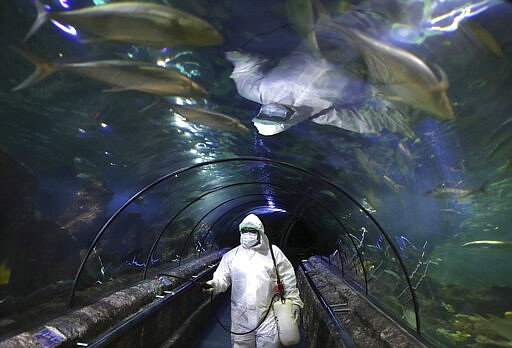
(209, 118)
(404, 77)
(400, 75)
(122, 75)
(141, 23)
(444, 190)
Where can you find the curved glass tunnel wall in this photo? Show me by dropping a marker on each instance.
(71, 155)
(138, 243)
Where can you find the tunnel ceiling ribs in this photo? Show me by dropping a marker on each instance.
(260, 160)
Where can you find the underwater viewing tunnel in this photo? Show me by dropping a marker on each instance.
(372, 138)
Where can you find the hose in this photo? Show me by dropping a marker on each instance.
(248, 332)
(204, 286)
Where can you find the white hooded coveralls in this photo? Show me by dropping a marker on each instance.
(251, 273)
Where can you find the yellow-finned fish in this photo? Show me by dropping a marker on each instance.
(399, 74)
(209, 118)
(403, 76)
(135, 22)
(120, 74)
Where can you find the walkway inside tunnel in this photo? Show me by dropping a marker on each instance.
(192, 215)
(372, 137)
(216, 337)
(196, 210)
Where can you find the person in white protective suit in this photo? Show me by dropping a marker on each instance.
(249, 269)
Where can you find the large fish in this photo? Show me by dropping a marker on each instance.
(404, 77)
(209, 118)
(135, 22)
(122, 75)
(399, 74)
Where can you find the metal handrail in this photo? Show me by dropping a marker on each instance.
(208, 213)
(359, 255)
(347, 339)
(106, 339)
(250, 159)
(216, 189)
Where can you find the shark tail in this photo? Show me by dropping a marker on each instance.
(42, 17)
(43, 69)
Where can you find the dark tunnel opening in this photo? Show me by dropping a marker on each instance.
(194, 213)
(296, 237)
(383, 129)
(304, 214)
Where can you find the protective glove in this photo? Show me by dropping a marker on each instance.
(208, 287)
(296, 313)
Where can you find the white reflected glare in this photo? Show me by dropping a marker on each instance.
(65, 28)
(64, 3)
(162, 62)
(181, 122)
(183, 101)
(458, 15)
(276, 210)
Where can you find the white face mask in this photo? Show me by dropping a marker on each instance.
(249, 239)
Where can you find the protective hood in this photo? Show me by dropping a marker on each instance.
(252, 221)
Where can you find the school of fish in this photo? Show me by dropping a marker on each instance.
(320, 92)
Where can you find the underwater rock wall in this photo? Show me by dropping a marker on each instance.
(365, 324)
(94, 321)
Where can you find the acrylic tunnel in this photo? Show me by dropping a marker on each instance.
(372, 138)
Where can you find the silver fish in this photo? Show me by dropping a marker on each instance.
(122, 75)
(489, 244)
(399, 74)
(444, 190)
(403, 76)
(392, 184)
(135, 22)
(209, 118)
